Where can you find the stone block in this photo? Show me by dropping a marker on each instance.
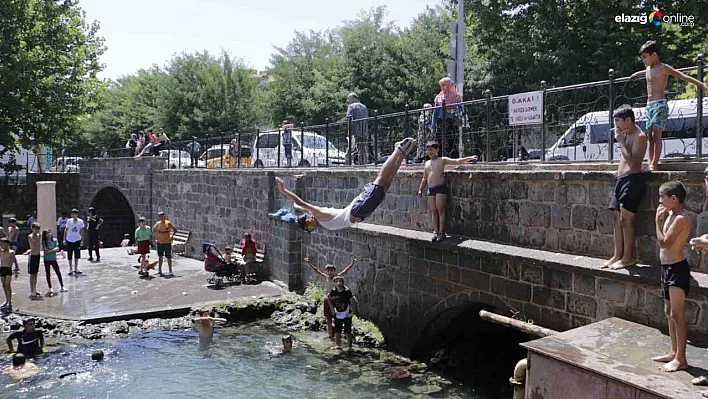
(480, 189)
(602, 245)
(584, 284)
(654, 305)
(611, 290)
(470, 261)
(551, 240)
(532, 274)
(583, 217)
(444, 289)
(576, 194)
(560, 217)
(541, 192)
(600, 193)
(533, 214)
(493, 266)
(555, 319)
(534, 237)
(421, 283)
(383, 280)
(548, 297)
(695, 198)
(511, 289)
(499, 191)
(531, 311)
(513, 270)
(561, 194)
(475, 279)
(438, 271)
(433, 254)
(509, 212)
(582, 305)
(519, 190)
(419, 266)
(558, 279)
(400, 282)
(583, 242)
(450, 258)
(691, 311)
(635, 297)
(579, 321)
(488, 211)
(453, 274)
(605, 221)
(704, 317)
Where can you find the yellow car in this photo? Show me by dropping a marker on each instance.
(226, 157)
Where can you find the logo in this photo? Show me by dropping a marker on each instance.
(655, 17)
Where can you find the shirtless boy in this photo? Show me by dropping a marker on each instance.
(205, 323)
(35, 244)
(672, 234)
(329, 274)
(13, 232)
(700, 244)
(434, 177)
(629, 188)
(361, 207)
(657, 75)
(20, 368)
(7, 259)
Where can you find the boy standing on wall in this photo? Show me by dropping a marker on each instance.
(629, 187)
(657, 74)
(672, 234)
(329, 274)
(434, 177)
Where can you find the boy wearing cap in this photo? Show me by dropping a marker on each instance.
(74, 240)
(165, 231)
(7, 259)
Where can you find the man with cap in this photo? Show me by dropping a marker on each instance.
(164, 231)
(94, 223)
(194, 148)
(74, 240)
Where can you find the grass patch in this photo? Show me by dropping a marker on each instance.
(370, 328)
(314, 291)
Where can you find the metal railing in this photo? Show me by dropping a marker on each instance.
(576, 125)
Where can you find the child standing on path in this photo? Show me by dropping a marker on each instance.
(344, 305)
(657, 75)
(143, 235)
(165, 232)
(7, 259)
(629, 188)
(248, 252)
(434, 177)
(35, 243)
(50, 246)
(672, 234)
(13, 233)
(74, 240)
(329, 274)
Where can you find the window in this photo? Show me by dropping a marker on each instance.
(268, 140)
(574, 137)
(599, 134)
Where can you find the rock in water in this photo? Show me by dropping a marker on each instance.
(397, 373)
(425, 389)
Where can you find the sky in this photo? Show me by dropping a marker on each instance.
(140, 33)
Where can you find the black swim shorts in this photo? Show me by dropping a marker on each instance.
(73, 250)
(437, 189)
(343, 325)
(33, 264)
(629, 191)
(367, 202)
(676, 275)
(5, 271)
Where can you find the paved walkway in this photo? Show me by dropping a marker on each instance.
(112, 289)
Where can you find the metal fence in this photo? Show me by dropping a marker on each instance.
(577, 125)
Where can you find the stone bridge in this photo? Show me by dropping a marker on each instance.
(534, 239)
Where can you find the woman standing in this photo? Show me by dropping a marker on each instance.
(449, 118)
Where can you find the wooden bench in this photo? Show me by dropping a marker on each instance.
(179, 242)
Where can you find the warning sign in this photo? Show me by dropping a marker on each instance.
(526, 108)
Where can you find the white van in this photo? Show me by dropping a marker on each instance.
(587, 138)
(314, 153)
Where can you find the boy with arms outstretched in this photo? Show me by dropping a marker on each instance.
(657, 75)
(7, 259)
(629, 187)
(434, 177)
(672, 234)
(329, 274)
(361, 207)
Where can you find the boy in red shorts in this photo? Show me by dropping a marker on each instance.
(143, 235)
(329, 274)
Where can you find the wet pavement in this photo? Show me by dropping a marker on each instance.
(621, 350)
(112, 289)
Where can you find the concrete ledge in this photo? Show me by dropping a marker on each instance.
(641, 274)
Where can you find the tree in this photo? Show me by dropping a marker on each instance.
(50, 58)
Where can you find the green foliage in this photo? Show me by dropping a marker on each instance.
(314, 291)
(48, 71)
(370, 328)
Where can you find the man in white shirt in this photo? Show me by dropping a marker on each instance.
(362, 206)
(74, 240)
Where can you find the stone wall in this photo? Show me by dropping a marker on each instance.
(556, 211)
(21, 199)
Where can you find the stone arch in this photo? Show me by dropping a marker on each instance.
(117, 214)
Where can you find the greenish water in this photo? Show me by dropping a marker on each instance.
(235, 365)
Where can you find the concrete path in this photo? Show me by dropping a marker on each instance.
(112, 289)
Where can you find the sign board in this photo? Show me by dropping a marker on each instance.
(526, 108)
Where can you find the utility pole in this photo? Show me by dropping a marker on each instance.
(456, 66)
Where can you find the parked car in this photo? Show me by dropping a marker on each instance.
(314, 152)
(177, 159)
(219, 156)
(67, 164)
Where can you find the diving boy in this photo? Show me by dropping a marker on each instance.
(7, 259)
(329, 274)
(344, 305)
(205, 323)
(434, 177)
(361, 207)
(629, 187)
(672, 233)
(657, 75)
(30, 341)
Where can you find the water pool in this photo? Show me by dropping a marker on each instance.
(175, 364)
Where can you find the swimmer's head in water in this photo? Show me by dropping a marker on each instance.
(18, 359)
(29, 324)
(307, 222)
(287, 342)
(97, 355)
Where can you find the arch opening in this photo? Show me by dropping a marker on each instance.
(471, 350)
(118, 217)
